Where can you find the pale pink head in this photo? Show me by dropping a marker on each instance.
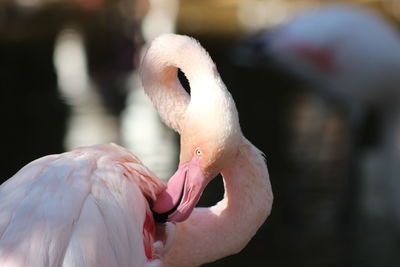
(207, 120)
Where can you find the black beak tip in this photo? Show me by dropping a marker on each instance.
(160, 217)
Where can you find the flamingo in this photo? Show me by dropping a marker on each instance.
(211, 143)
(350, 56)
(91, 206)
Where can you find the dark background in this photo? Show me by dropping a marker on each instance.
(316, 220)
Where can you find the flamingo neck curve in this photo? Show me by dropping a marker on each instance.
(159, 69)
(224, 229)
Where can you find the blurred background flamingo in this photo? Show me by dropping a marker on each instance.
(350, 57)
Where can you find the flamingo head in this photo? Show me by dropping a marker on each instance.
(210, 136)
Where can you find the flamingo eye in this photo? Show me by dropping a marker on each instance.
(198, 152)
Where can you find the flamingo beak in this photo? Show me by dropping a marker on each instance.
(182, 193)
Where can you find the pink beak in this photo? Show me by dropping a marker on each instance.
(183, 191)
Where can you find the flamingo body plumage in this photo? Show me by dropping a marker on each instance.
(80, 208)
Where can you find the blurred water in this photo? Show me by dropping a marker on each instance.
(140, 129)
(89, 121)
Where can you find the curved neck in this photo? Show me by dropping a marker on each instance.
(159, 68)
(224, 229)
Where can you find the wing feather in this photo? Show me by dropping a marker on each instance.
(82, 208)
(86, 246)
